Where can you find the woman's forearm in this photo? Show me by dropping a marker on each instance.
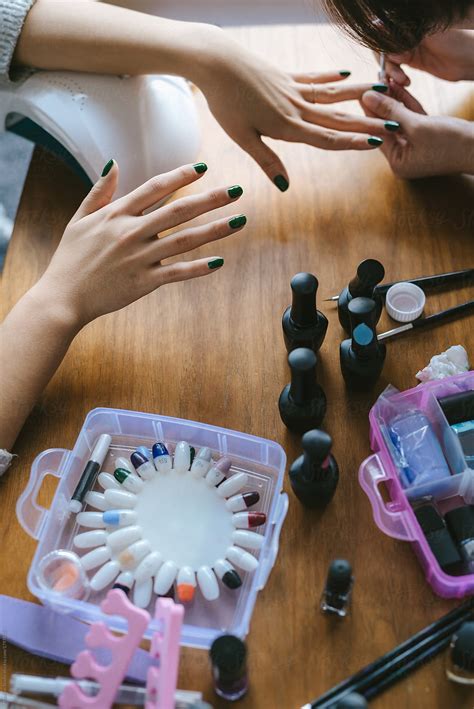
(34, 337)
(83, 35)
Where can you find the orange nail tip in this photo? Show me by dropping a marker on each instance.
(186, 592)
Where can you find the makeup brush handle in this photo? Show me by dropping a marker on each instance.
(458, 311)
(464, 277)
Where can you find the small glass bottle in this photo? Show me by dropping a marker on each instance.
(229, 667)
(337, 591)
(460, 665)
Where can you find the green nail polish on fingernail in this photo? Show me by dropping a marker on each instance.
(281, 182)
(215, 263)
(375, 141)
(237, 222)
(344, 73)
(107, 168)
(392, 125)
(381, 88)
(235, 191)
(200, 167)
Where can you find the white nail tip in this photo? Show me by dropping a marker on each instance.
(249, 540)
(120, 498)
(108, 482)
(242, 559)
(87, 540)
(142, 593)
(165, 577)
(90, 519)
(96, 500)
(124, 463)
(202, 463)
(233, 485)
(95, 558)
(105, 575)
(123, 537)
(207, 581)
(148, 566)
(147, 471)
(182, 457)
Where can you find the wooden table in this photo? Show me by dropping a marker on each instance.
(212, 350)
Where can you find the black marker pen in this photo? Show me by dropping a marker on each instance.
(88, 477)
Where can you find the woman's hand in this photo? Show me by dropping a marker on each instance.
(425, 145)
(111, 255)
(448, 55)
(252, 99)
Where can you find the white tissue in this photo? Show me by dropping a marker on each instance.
(453, 361)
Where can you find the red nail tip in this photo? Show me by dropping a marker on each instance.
(256, 519)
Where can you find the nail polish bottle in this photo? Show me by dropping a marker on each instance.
(337, 592)
(460, 523)
(315, 474)
(439, 539)
(369, 274)
(229, 667)
(460, 667)
(302, 403)
(363, 356)
(304, 325)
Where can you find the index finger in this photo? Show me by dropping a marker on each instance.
(159, 187)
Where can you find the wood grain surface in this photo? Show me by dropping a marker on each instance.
(212, 350)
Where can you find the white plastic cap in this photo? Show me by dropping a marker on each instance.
(405, 302)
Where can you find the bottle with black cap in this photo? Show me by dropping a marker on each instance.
(302, 403)
(337, 592)
(304, 325)
(460, 523)
(363, 356)
(439, 539)
(229, 667)
(460, 666)
(315, 474)
(369, 274)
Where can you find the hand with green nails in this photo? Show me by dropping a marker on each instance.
(110, 254)
(418, 145)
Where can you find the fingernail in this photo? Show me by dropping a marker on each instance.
(344, 73)
(215, 263)
(237, 222)
(377, 142)
(281, 182)
(200, 167)
(107, 168)
(381, 88)
(392, 125)
(235, 191)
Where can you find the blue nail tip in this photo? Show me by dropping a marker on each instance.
(111, 517)
(159, 449)
(138, 459)
(144, 451)
(362, 334)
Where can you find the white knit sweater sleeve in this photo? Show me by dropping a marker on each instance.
(12, 17)
(5, 460)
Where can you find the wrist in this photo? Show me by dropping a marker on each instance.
(209, 46)
(46, 305)
(462, 136)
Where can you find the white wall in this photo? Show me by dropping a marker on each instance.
(232, 12)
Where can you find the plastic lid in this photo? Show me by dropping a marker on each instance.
(462, 647)
(405, 302)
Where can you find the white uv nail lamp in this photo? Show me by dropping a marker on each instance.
(149, 124)
(150, 528)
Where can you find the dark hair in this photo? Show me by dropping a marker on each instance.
(395, 25)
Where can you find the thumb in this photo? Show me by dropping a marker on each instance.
(101, 193)
(386, 107)
(269, 161)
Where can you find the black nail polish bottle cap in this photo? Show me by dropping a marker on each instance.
(369, 274)
(339, 576)
(363, 318)
(462, 651)
(316, 446)
(303, 311)
(228, 656)
(461, 523)
(439, 539)
(458, 407)
(352, 701)
(303, 386)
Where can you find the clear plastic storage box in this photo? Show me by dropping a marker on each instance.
(263, 460)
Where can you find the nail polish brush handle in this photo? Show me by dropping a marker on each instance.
(464, 277)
